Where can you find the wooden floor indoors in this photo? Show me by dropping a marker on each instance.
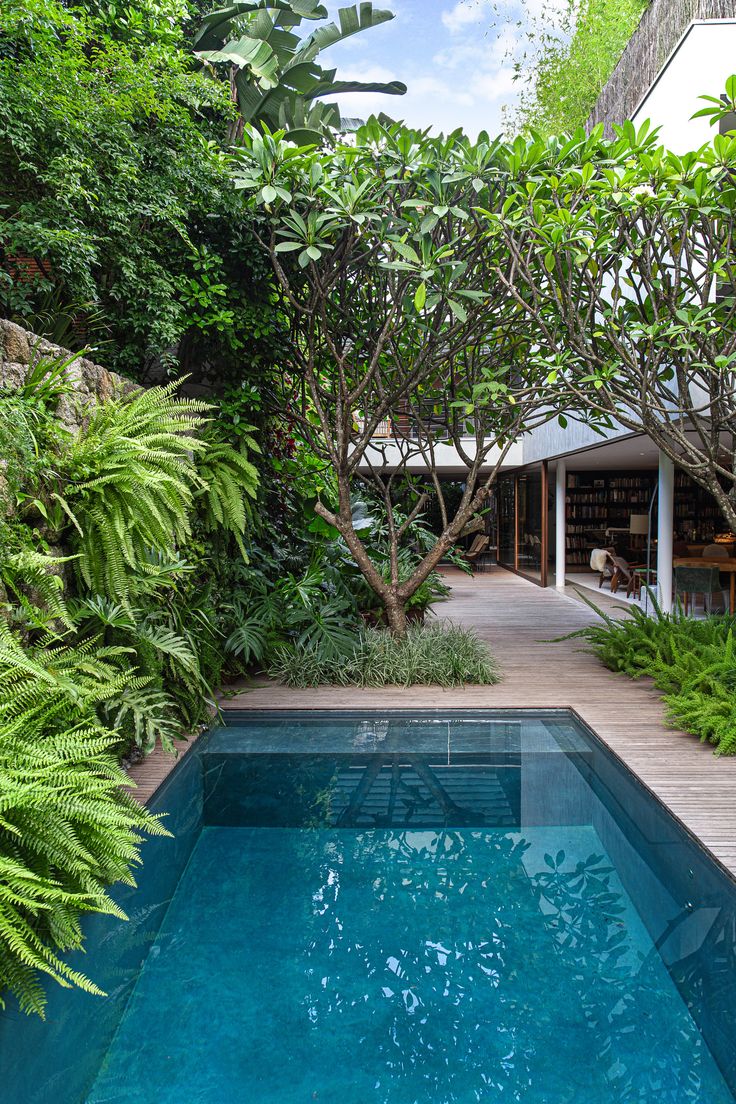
(518, 619)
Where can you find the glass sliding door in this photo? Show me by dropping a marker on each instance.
(523, 528)
(531, 553)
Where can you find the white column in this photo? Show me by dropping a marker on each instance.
(560, 527)
(665, 527)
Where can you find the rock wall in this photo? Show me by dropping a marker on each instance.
(661, 28)
(19, 349)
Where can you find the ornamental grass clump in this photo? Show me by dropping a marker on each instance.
(439, 654)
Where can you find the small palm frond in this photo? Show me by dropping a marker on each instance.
(146, 713)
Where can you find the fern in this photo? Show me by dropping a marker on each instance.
(32, 578)
(132, 480)
(230, 485)
(67, 828)
(692, 662)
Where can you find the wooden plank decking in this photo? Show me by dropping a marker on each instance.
(518, 619)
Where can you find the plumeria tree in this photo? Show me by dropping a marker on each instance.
(624, 261)
(399, 324)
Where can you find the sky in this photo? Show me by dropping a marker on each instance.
(454, 56)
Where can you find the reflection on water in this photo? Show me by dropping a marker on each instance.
(372, 791)
(407, 965)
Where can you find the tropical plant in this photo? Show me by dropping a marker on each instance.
(395, 315)
(123, 493)
(438, 654)
(275, 77)
(67, 828)
(130, 482)
(230, 484)
(692, 661)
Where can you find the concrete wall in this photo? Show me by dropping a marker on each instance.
(386, 452)
(700, 65)
(550, 440)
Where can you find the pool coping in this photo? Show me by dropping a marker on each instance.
(154, 781)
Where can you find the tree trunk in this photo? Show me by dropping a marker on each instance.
(396, 616)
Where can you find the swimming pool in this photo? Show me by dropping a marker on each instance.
(384, 908)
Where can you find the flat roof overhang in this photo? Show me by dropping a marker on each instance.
(386, 454)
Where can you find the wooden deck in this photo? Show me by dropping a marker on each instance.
(518, 619)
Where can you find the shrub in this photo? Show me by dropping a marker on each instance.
(429, 655)
(692, 662)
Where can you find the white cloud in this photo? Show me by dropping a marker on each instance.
(465, 14)
(455, 56)
(429, 101)
(491, 86)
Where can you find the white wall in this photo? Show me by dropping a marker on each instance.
(700, 65)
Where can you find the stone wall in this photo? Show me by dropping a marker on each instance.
(661, 28)
(90, 383)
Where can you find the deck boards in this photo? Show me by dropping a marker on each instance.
(518, 619)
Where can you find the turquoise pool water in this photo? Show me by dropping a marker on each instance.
(499, 913)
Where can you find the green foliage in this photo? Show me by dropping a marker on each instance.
(131, 481)
(230, 484)
(67, 828)
(618, 246)
(123, 651)
(692, 662)
(129, 488)
(276, 76)
(390, 267)
(116, 222)
(429, 655)
(315, 609)
(568, 57)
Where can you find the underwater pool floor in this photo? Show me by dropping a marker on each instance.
(402, 966)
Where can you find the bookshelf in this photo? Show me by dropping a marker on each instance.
(597, 501)
(697, 517)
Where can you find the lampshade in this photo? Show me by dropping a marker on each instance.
(639, 524)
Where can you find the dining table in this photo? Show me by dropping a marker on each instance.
(724, 565)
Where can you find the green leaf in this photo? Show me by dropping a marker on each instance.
(420, 296)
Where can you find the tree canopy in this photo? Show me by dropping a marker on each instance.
(386, 270)
(624, 260)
